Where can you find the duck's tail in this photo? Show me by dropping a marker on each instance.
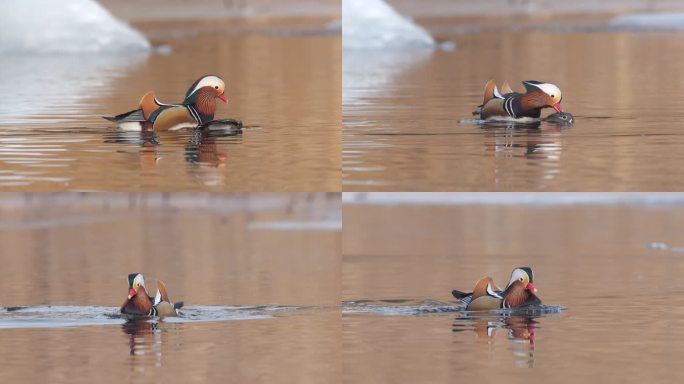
(131, 116)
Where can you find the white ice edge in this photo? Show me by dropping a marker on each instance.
(373, 24)
(65, 26)
(660, 21)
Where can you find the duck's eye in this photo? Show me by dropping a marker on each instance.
(215, 86)
(521, 279)
(553, 96)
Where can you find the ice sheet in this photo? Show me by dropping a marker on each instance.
(373, 24)
(65, 26)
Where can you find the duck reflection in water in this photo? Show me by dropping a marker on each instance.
(144, 335)
(502, 141)
(520, 331)
(201, 146)
(530, 143)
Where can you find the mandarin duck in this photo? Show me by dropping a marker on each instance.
(141, 304)
(510, 105)
(519, 292)
(196, 110)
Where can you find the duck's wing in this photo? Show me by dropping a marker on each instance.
(161, 293)
(489, 91)
(506, 88)
(149, 104)
(157, 299)
(484, 287)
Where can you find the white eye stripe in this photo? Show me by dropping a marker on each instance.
(518, 274)
(549, 89)
(140, 280)
(211, 81)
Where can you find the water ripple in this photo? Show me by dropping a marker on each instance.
(409, 307)
(78, 316)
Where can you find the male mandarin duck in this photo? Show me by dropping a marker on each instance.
(195, 111)
(519, 292)
(139, 303)
(519, 106)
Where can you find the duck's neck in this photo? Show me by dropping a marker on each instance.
(143, 302)
(139, 304)
(534, 100)
(517, 295)
(205, 105)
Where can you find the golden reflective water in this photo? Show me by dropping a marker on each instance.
(402, 111)
(623, 317)
(283, 80)
(258, 249)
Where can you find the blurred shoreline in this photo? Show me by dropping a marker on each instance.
(164, 10)
(467, 8)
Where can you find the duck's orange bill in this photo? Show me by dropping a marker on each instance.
(557, 107)
(223, 97)
(531, 288)
(131, 293)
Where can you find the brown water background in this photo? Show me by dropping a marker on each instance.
(283, 80)
(247, 250)
(623, 295)
(404, 110)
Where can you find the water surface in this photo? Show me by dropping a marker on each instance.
(283, 81)
(620, 294)
(402, 110)
(261, 300)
